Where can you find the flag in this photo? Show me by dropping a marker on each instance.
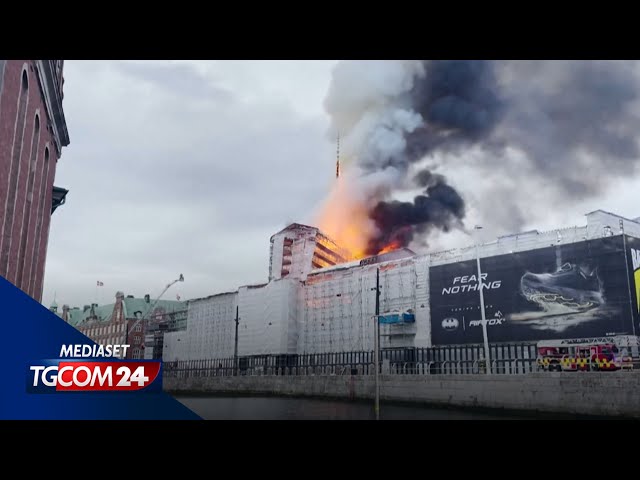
(100, 284)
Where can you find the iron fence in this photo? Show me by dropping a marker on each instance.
(451, 360)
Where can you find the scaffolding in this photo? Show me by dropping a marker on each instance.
(312, 310)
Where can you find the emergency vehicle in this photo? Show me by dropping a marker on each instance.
(582, 355)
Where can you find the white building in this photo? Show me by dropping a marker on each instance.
(318, 301)
(210, 328)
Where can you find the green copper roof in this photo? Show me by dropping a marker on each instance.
(131, 306)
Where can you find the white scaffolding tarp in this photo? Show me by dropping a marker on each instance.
(332, 309)
(268, 317)
(210, 330)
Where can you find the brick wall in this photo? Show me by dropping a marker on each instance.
(24, 224)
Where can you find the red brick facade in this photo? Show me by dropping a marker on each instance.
(31, 122)
(123, 322)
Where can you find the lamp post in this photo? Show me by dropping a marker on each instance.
(235, 348)
(376, 343)
(626, 262)
(141, 319)
(485, 339)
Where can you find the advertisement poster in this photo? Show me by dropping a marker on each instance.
(577, 290)
(633, 245)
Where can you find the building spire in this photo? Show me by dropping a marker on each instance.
(54, 305)
(338, 157)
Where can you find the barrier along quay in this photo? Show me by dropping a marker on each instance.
(577, 379)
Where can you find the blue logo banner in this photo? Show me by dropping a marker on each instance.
(33, 338)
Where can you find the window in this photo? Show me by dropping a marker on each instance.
(14, 166)
(36, 252)
(138, 328)
(136, 339)
(26, 220)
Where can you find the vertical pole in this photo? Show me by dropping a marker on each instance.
(235, 348)
(377, 344)
(626, 269)
(484, 320)
(126, 335)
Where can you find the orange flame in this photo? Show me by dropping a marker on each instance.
(344, 217)
(390, 248)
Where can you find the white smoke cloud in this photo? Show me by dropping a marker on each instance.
(361, 86)
(367, 102)
(370, 104)
(556, 132)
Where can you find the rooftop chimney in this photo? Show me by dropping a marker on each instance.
(147, 298)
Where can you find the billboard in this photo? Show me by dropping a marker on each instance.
(583, 289)
(633, 247)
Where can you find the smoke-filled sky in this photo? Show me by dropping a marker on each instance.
(563, 130)
(189, 167)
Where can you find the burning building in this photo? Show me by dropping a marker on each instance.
(402, 126)
(298, 248)
(561, 284)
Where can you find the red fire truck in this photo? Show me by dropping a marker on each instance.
(586, 355)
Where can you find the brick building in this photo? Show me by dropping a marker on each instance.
(122, 322)
(32, 133)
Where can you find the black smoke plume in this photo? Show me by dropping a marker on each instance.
(568, 127)
(397, 222)
(458, 103)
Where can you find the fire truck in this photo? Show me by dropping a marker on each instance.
(601, 354)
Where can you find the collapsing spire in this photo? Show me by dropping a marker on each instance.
(338, 158)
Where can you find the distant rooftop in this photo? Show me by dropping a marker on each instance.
(131, 305)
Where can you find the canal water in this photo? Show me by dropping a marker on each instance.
(276, 408)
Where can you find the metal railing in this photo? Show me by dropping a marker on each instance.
(451, 360)
(514, 359)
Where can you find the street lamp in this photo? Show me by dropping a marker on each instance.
(484, 319)
(179, 279)
(235, 348)
(376, 342)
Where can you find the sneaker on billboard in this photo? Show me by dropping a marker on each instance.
(570, 286)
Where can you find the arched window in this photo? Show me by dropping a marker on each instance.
(14, 170)
(28, 205)
(40, 213)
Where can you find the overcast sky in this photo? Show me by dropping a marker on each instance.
(189, 167)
